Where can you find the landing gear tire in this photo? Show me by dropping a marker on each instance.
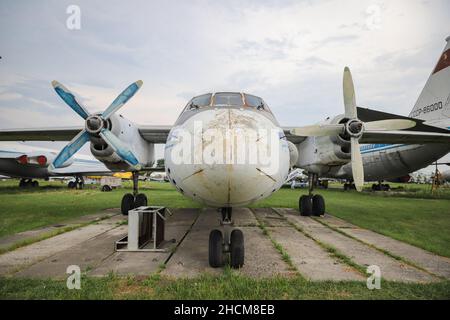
(22, 183)
(216, 249)
(237, 250)
(305, 204)
(34, 184)
(127, 203)
(318, 205)
(141, 200)
(72, 185)
(106, 188)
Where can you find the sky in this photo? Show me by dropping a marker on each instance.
(291, 53)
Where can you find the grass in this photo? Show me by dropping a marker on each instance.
(53, 203)
(227, 286)
(422, 222)
(410, 214)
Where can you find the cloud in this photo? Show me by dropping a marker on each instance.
(291, 53)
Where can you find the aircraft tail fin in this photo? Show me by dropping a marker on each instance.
(433, 103)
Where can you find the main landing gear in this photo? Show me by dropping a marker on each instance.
(77, 184)
(311, 204)
(226, 243)
(381, 186)
(134, 200)
(28, 183)
(349, 186)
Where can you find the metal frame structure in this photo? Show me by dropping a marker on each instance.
(139, 226)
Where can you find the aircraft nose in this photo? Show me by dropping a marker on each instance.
(230, 184)
(236, 162)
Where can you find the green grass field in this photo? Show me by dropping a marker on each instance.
(412, 215)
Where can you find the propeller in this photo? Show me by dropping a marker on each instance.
(352, 127)
(95, 126)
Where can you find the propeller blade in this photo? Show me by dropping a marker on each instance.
(390, 124)
(357, 164)
(318, 130)
(349, 95)
(122, 99)
(120, 148)
(70, 99)
(70, 149)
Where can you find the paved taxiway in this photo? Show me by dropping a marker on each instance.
(311, 244)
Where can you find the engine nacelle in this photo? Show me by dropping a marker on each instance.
(127, 132)
(319, 154)
(41, 159)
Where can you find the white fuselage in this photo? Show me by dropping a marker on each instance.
(219, 167)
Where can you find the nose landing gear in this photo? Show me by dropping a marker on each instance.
(134, 200)
(228, 243)
(311, 204)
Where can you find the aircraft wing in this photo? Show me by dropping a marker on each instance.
(40, 134)
(9, 154)
(404, 137)
(83, 167)
(290, 137)
(152, 134)
(419, 134)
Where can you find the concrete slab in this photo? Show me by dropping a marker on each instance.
(270, 217)
(360, 253)
(262, 260)
(191, 257)
(86, 255)
(244, 217)
(433, 263)
(146, 263)
(310, 259)
(17, 260)
(8, 241)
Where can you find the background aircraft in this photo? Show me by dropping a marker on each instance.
(31, 162)
(329, 148)
(386, 161)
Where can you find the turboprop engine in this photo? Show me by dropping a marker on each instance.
(114, 140)
(345, 133)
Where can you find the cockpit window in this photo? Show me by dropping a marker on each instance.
(200, 101)
(253, 101)
(230, 99)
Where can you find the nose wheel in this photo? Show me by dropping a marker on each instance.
(135, 199)
(226, 244)
(311, 205)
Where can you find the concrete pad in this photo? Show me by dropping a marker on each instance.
(86, 255)
(270, 217)
(431, 262)
(191, 257)
(262, 260)
(146, 263)
(360, 253)
(16, 260)
(310, 259)
(244, 217)
(11, 240)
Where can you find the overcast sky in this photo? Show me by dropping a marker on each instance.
(291, 53)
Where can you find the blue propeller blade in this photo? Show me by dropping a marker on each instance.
(122, 99)
(70, 99)
(70, 149)
(119, 147)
